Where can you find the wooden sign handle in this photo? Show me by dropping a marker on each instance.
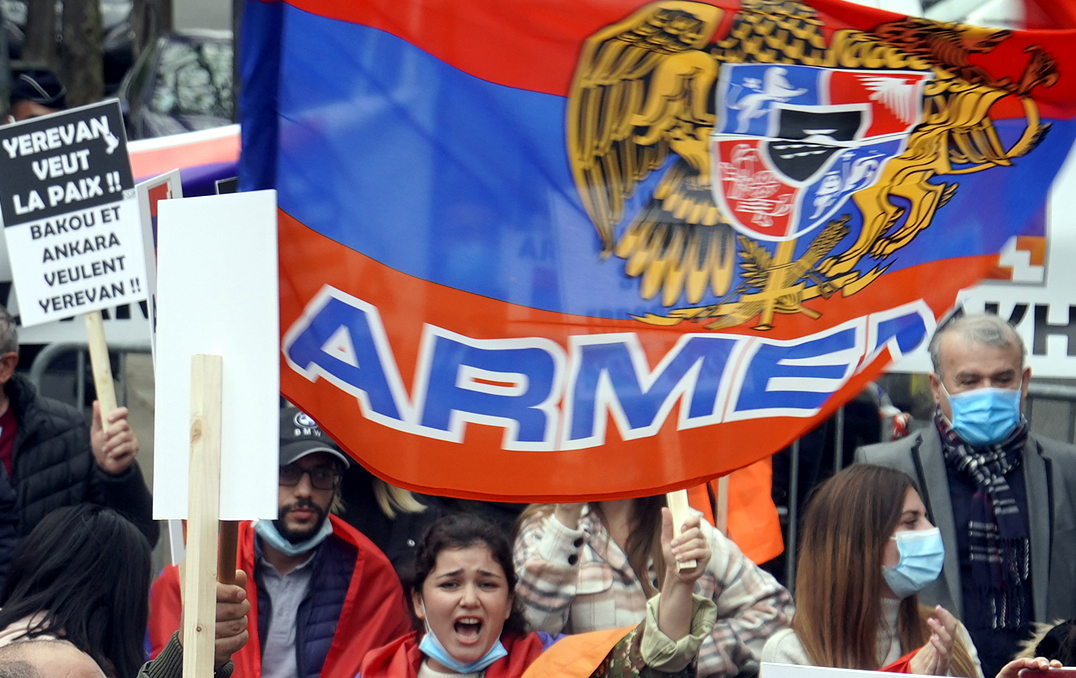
(227, 544)
(680, 510)
(721, 505)
(101, 365)
(203, 509)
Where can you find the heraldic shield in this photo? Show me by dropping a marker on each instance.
(792, 143)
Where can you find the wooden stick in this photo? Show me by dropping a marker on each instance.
(203, 508)
(721, 505)
(680, 510)
(102, 366)
(228, 541)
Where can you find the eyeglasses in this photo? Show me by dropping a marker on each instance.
(321, 477)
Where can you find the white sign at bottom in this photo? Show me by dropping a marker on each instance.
(768, 670)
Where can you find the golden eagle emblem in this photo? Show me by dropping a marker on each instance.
(656, 96)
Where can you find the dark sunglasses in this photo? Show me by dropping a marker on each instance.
(321, 477)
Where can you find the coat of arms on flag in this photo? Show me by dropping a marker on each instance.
(792, 143)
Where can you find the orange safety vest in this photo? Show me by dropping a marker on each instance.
(753, 524)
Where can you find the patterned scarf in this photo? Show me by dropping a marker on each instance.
(998, 543)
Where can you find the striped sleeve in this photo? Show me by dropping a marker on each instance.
(547, 561)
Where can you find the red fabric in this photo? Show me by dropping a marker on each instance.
(902, 665)
(164, 609)
(401, 658)
(8, 426)
(374, 612)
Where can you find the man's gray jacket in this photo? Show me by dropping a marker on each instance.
(1049, 470)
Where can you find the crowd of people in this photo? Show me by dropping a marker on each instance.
(949, 552)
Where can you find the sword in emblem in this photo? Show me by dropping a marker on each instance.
(777, 284)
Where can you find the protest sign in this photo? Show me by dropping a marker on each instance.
(150, 194)
(69, 212)
(217, 294)
(202, 157)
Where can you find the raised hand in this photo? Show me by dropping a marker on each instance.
(114, 445)
(690, 545)
(675, 607)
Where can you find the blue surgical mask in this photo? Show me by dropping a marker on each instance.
(432, 648)
(922, 555)
(984, 415)
(268, 532)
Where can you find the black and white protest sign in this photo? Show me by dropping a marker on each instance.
(70, 215)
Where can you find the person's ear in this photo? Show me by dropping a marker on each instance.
(511, 603)
(936, 387)
(416, 605)
(8, 362)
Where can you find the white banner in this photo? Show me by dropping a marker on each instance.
(1039, 297)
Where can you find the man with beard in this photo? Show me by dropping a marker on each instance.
(321, 594)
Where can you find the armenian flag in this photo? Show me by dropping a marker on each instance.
(605, 248)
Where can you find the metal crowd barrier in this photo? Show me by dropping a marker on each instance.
(82, 373)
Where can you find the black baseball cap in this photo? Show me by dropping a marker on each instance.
(300, 436)
(40, 87)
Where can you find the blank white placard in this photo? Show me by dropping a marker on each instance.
(217, 294)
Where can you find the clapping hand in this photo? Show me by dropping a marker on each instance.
(934, 657)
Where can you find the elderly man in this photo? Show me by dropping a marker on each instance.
(1004, 500)
(50, 458)
(322, 594)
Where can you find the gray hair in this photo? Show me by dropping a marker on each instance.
(9, 332)
(17, 668)
(978, 328)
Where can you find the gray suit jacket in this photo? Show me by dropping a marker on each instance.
(1049, 469)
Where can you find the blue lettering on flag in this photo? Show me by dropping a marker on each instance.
(341, 338)
(528, 385)
(795, 379)
(510, 383)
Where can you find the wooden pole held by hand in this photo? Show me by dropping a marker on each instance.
(203, 508)
(721, 505)
(680, 510)
(101, 365)
(228, 542)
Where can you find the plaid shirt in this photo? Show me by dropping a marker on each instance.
(574, 581)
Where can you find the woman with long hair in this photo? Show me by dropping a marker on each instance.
(589, 567)
(866, 550)
(468, 620)
(81, 576)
